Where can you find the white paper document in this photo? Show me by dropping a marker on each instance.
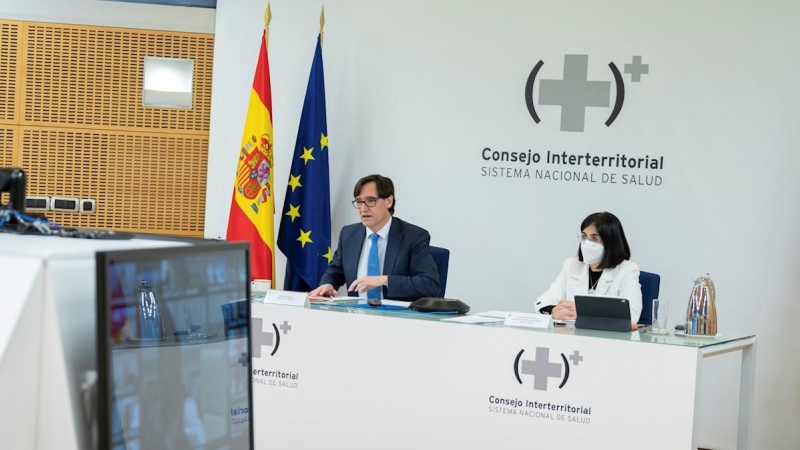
(333, 300)
(495, 314)
(473, 319)
(529, 320)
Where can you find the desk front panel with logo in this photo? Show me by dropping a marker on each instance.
(328, 379)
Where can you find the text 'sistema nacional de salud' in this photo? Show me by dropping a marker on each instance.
(619, 168)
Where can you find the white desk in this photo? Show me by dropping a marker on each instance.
(335, 377)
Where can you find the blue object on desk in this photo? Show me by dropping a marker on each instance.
(392, 308)
(382, 307)
(236, 317)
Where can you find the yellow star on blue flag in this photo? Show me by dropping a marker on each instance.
(307, 258)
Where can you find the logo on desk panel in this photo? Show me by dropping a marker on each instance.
(540, 370)
(574, 93)
(262, 339)
(266, 340)
(547, 374)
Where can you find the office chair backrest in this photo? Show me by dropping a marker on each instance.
(651, 283)
(441, 256)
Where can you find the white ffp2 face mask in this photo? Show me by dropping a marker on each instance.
(592, 252)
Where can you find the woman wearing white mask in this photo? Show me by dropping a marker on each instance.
(602, 267)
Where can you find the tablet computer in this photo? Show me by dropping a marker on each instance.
(602, 313)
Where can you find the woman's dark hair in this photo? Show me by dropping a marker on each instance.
(610, 230)
(383, 185)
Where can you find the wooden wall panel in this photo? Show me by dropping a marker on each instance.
(9, 69)
(141, 182)
(7, 145)
(92, 77)
(71, 115)
(8, 135)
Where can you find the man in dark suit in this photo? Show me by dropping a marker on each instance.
(383, 255)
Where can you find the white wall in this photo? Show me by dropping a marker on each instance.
(111, 14)
(417, 88)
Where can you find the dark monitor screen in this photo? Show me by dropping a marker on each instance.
(173, 348)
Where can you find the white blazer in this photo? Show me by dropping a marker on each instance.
(621, 281)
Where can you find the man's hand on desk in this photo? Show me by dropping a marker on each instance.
(326, 290)
(564, 310)
(365, 284)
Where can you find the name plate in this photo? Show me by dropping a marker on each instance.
(288, 298)
(529, 320)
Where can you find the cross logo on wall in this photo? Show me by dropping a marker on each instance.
(575, 92)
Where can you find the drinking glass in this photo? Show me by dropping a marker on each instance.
(660, 312)
(195, 316)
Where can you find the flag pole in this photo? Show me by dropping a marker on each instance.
(252, 214)
(321, 25)
(267, 20)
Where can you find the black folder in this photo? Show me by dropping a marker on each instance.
(602, 313)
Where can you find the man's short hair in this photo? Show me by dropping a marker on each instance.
(383, 184)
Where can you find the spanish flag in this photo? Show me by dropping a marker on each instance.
(253, 203)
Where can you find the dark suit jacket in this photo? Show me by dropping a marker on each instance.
(408, 261)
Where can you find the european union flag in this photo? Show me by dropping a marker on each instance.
(305, 231)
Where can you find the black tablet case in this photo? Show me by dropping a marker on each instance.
(602, 313)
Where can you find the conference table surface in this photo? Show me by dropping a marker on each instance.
(328, 343)
(640, 335)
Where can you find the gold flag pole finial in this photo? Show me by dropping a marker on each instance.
(321, 24)
(267, 20)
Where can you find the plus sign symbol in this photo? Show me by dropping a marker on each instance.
(542, 369)
(261, 338)
(575, 92)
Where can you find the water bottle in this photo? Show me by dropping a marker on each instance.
(152, 326)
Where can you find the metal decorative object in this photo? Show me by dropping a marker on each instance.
(701, 314)
(152, 325)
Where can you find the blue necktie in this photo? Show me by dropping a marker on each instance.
(374, 264)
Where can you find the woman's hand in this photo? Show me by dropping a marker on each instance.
(564, 310)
